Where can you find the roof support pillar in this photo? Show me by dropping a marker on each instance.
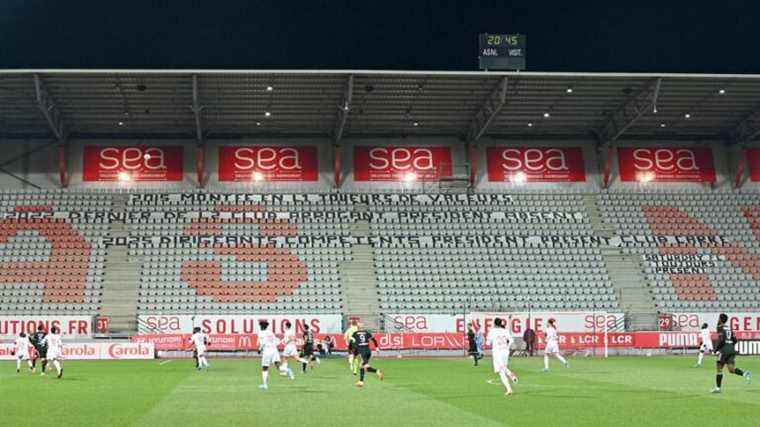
(344, 109)
(52, 116)
(631, 111)
(488, 112)
(200, 142)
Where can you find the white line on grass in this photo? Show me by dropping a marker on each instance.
(165, 362)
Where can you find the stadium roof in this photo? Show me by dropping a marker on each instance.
(200, 104)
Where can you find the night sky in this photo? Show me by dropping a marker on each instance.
(696, 36)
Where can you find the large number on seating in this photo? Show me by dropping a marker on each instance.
(285, 271)
(63, 274)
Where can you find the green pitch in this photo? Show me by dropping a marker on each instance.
(657, 391)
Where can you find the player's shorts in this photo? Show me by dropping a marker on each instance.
(727, 359)
(365, 355)
(706, 348)
(308, 349)
(290, 350)
(500, 361)
(352, 348)
(269, 358)
(42, 352)
(200, 351)
(53, 354)
(552, 347)
(22, 355)
(473, 349)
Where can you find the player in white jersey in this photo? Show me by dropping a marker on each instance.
(552, 345)
(706, 346)
(199, 340)
(500, 341)
(290, 350)
(22, 352)
(55, 349)
(268, 343)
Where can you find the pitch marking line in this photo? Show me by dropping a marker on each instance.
(165, 362)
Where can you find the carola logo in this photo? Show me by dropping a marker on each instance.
(80, 351)
(122, 351)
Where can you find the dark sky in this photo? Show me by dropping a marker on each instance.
(695, 36)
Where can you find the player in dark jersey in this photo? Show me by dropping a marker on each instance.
(472, 344)
(361, 339)
(307, 356)
(725, 349)
(40, 346)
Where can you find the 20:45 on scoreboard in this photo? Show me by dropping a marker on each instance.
(501, 51)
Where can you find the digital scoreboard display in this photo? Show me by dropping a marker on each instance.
(501, 51)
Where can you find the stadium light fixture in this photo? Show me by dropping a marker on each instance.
(547, 115)
(663, 124)
(569, 90)
(519, 178)
(645, 177)
(124, 177)
(530, 124)
(267, 114)
(258, 123)
(687, 116)
(415, 124)
(721, 91)
(270, 88)
(120, 123)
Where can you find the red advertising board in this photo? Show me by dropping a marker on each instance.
(409, 163)
(753, 161)
(132, 163)
(661, 164)
(535, 164)
(268, 163)
(453, 341)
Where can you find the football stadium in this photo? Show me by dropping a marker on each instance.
(370, 236)
(339, 213)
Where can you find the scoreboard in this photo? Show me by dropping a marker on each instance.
(501, 51)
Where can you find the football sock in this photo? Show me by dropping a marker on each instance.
(546, 362)
(265, 377)
(739, 372)
(562, 359)
(303, 366)
(57, 365)
(701, 356)
(371, 369)
(718, 380)
(361, 374)
(18, 364)
(44, 365)
(505, 380)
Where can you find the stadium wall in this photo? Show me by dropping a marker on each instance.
(41, 166)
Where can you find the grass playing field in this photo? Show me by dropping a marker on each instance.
(657, 391)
